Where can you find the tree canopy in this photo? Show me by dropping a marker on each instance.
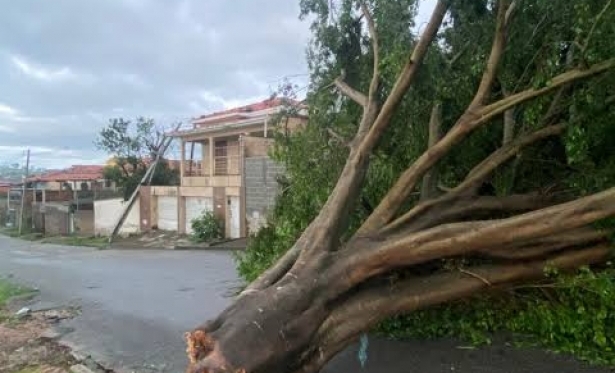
(133, 146)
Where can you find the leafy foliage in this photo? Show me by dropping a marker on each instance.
(571, 314)
(545, 38)
(206, 228)
(133, 145)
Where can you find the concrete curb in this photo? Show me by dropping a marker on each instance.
(205, 248)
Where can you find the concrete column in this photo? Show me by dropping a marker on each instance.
(182, 165)
(242, 189)
(212, 163)
(181, 210)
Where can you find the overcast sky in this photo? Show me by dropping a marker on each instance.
(67, 66)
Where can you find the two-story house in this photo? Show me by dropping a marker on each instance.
(225, 169)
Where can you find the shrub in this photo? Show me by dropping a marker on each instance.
(572, 313)
(264, 248)
(207, 228)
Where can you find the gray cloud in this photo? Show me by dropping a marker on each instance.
(67, 66)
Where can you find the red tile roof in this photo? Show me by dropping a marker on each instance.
(266, 104)
(73, 173)
(227, 115)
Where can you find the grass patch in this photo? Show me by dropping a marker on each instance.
(25, 235)
(9, 290)
(92, 241)
(31, 369)
(97, 242)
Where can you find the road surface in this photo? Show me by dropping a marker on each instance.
(136, 304)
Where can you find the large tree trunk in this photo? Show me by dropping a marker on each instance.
(323, 292)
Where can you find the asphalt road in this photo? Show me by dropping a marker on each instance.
(136, 305)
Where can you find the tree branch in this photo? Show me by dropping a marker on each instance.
(406, 77)
(593, 29)
(503, 154)
(430, 179)
(459, 54)
(497, 49)
(367, 308)
(477, 207)
(373, 86)
(323, 233)
(337, 136)
(476, 176)
(462, 238)
(509, 121)
(549, 244)
(471, 120)
(488, 112)
(350, 92)
(509, 13)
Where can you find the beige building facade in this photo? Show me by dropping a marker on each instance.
(225, 169)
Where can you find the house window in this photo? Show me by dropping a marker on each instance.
(221, 158)
(107, 183)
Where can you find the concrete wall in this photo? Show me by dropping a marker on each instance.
(256, 146)
(83, 222)
(57, 219)
(261, 190)
(38, 217)
(107, 212)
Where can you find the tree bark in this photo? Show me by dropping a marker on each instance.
(430, 180)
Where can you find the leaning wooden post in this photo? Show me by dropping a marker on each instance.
(145, 180)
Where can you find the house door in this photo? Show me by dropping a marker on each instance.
(232, 217)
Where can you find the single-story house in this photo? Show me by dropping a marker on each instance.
(76, 178)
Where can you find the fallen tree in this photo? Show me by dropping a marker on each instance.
(326, 289)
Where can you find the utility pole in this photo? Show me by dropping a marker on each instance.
(23, 190)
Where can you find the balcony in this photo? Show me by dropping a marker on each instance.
(224, 161)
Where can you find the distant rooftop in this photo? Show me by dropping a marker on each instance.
(73, 173)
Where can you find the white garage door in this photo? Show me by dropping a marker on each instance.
(167, 213)
(195, 207)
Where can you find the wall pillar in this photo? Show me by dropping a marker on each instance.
(181, 210)
(153, 216)
(212, 163)
(219, 200)
(145, 213)
(243, 220)
(182, 165)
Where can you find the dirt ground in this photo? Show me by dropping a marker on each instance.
(25, 344)
(28, 343)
